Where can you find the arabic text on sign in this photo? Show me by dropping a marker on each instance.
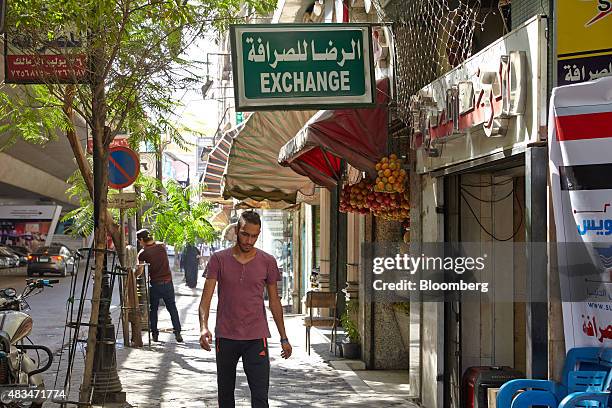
(576, 74)
(601, 227)
(591, 329)
(262, 53)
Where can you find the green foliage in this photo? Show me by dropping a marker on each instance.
(173, 214)
(137, 62)
(82, 217)
(30, 113)
(175, 218)
(348, 324)
(82, 221)
(137, 51)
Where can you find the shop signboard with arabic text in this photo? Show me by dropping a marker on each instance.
(584, 40)
(60, 58)
(292, 66)
(580, 141)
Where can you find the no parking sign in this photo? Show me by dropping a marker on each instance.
(123, 167)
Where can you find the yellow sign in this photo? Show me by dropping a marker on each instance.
(584, 40)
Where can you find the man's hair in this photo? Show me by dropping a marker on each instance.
(143, 234)
(250, 217)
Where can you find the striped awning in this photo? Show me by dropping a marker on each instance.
(216, 163)
(220, 219)
(249, 203)
(252, 168)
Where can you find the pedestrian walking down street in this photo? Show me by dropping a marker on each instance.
(160, 278)
(205, 252)
(242, 272)
(190, 259)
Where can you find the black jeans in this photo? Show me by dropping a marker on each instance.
(256, 364)
(163, 291)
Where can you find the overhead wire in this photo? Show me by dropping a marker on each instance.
(518, 228)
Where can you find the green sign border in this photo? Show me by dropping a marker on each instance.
(299, 103)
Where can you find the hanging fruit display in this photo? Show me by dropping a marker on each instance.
(391, 175)
(354, 197)
(390, 206)
(362, 198)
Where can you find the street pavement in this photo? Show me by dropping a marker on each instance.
(167, 374)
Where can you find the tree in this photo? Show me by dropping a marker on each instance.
(174, 214)
(134, 64)
(176, 218)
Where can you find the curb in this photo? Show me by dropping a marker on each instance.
(19, 271)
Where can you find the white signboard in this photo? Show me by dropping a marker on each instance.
(27, 212)
(580, 134)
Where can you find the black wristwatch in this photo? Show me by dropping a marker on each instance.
(285, 341)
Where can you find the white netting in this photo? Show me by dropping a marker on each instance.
(431, 37)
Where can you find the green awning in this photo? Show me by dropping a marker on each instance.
(252, 168)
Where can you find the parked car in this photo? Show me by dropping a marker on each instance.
(51, 259)
(22, 252)
(8, 259)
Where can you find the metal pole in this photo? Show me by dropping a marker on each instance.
(536, 159)
(123, 283)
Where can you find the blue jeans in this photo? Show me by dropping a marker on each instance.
(163, 291)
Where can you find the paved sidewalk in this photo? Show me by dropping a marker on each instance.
(174, 375)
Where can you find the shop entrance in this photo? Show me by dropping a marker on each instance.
(485, 205)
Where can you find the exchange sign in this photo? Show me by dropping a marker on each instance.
(293, 66)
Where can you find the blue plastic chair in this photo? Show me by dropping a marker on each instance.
(579, 382)
(586, 399)
(593, 398)
(551, 393)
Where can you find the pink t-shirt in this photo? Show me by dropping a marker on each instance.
(241, 314)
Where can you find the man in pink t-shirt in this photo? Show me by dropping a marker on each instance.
(241, 330)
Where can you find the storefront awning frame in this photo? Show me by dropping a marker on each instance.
(253, 171)
(358, 136)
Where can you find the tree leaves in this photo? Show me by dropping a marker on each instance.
(175, 217)
(30, 113)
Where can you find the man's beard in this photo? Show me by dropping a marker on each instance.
(244, 247)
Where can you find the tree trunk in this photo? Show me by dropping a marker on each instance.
(86, 173)
(100, 183)
(100, 135)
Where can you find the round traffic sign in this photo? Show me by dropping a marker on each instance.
(123, 167)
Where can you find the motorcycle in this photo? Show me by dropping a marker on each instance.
(21, 382)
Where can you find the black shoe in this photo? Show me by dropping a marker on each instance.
(178, 337)
(155, 337)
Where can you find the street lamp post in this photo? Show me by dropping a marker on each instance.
(209, 82)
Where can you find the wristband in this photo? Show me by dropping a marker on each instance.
(284, 341)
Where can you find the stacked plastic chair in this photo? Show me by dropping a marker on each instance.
(586, 382)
